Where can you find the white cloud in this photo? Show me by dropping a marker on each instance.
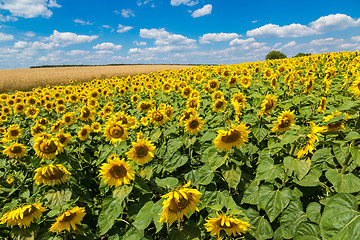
(334, 22)
(108, 46)
(237, 41)
(186, 2)
(355, 38)
(217, 37)
(29, 8)
(163, 37)
(272, 30)
(277, 44)
(82, 22)
(122, 29)
(160, 49)
(326, 41)
(348, 46)
(104, 52)
(44, 46)
(139, 2)
(21, 44)
(290, 44)
(323, 24)
(5, 37)
(29, 34)
(206, 10)
(7, 18)
(255, 21)
(106, 26)
(126, 13)
(77, 53)
(67, 38)
(139, 43)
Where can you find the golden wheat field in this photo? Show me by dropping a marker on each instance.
(26, 79)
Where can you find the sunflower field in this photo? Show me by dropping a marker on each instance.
(262, 150)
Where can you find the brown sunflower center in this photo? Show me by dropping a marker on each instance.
(268, 105)
(187, 91)
(232, 80)
(116, 132)
(48, 147)
(53, 174)
(118, 171)
(194, 124)
(62, 139)
(16, 149)
(14, 133)
(141, 151)
(223, 224)
(29, 211)
(284, 124)
(213, 85)
(158, 117)
(145, 106)
(67, 119)
(86, 113)
(20, 107)
(177, 206)
(84, 132)
(232, 137)
(68, 217)
(219, 104)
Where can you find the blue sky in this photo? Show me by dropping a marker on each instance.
(41, 32)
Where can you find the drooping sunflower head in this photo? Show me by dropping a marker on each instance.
(15, 150)
(334, 127)
(194, 124)
(233, 137)
(115, 132)
(68, 220)
(224, 224)
(178, 203)
(51, 174)
(268, 104)
(47, 148)
(116, 172)
(142, 151)
(23, 216)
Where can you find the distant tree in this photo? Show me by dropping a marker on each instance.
(275, 55)
(302, 54)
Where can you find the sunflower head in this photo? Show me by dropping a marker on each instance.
(233, 137)
(284, 122)
(14, 132)
(84, 132)
(116, 172)
(142, 151)
(194, 124)
(68, 220)
(157, 116)
(15, 150)
(219, 105)
(268, 104)
(23, 216)
(115, 132)
(51, 174)
(178, 203)
(47, 148)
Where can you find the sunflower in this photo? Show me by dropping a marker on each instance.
(145, 106)
(142, 151)
(268, 104)
(309, 85)
(47, 147)
(233, 137)
(19, 108)
(213, 85)
(144, 121)
(312, 137)
(193, 102)
(32, 112)
(219, 105)
(86, 114)
(30, 101)
(230, 225)
(273, 82)
(285, 121)
(322, 107)
(6, 110)
(60, 109)
(56, 126)
(23, 216)
(14, 132)
(115, 132)
(37, 128)
(194, 124)
(69, 118)
(116, 172)
(355, 87)
(96, 127)
(245, 81)
(178, 203)
(64, 138)
(84, 133)
(186, 92)
(15, 150)
(334, 127)
(169, 110)
(68, 220)
(51, 174)
(166, 87)
(157, 116)
(232, 80)
(186, 115)
(43, 121)
(123, 106)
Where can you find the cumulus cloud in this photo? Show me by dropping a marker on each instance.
(21, 44)
(67, 38)
(163, 37)
(159, 49)
(82, 22)
(123, 29)
(324, 24)
(348, 46)
(5, 37)
(206, 10)
(185, 2)
(77, 53)
(326, 41)
(29, 9)
(237, 41)
(290, 44)
(126, 13)
(7, 18)
(217, 37)
(107, 46)
(355, 38)
(139, 43)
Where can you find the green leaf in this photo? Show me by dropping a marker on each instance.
(156, 211)
(307, 231)
(300, 167)
(311, 179)
(321, 157)
(336, 119)
(205, 175)
(259, 133)
(212, 157)
(175, 161)
(355, 154)
(112, 207)
(169, 182)
(291, 218)
(208, 136)
(232, 175)
(274, 202)
(133, 234)
(26, 233)
(144, 216)
(313, 211)
(340, 219)
(261, 227)
(352, 136)
(289, 137)
(251, 194)
(343, 183)
(58, 198)
(267, 170)
(348, 104)
(189, 231)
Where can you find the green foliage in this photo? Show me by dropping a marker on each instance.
(275, 55)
